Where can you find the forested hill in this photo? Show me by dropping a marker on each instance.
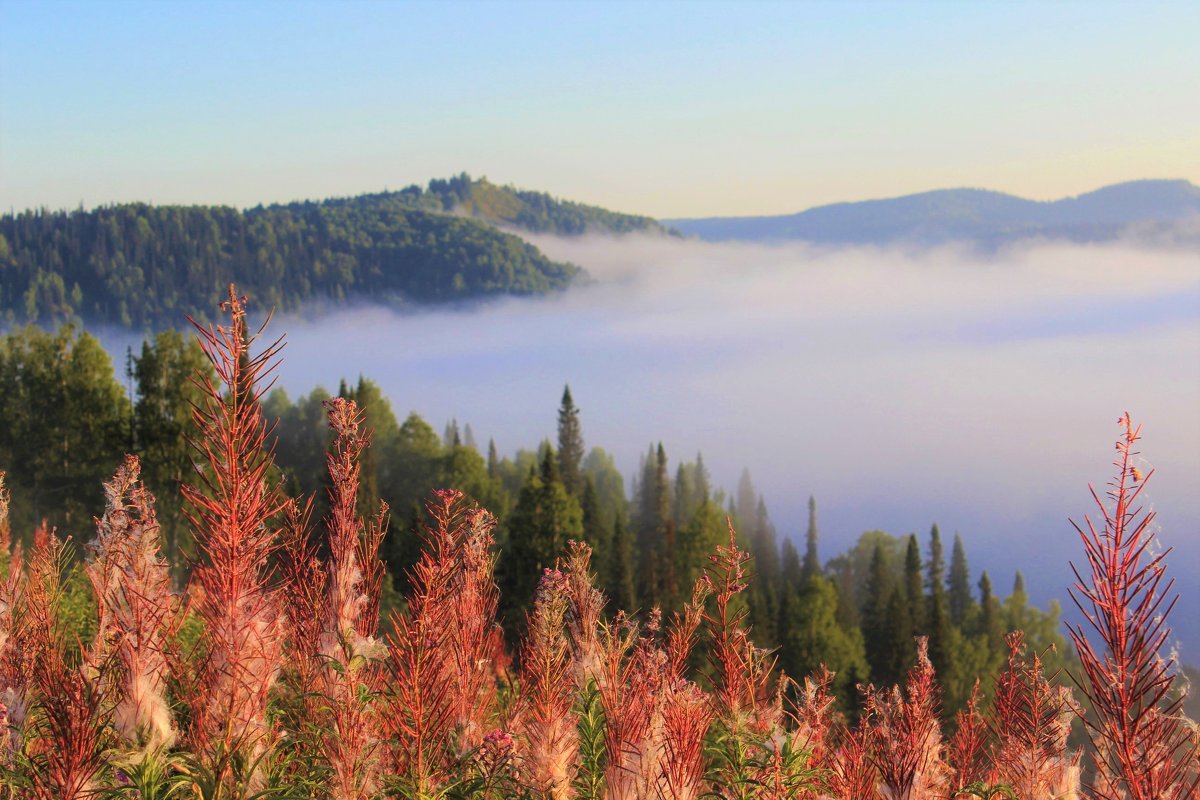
(507, 206)
(143, 266)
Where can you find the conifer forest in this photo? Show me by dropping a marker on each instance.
(560, 400)
(310, 598)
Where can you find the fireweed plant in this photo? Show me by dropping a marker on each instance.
(268, 676)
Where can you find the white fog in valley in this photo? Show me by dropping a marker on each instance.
(900, 388)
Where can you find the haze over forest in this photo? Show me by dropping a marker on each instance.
(968, 383)
(783, 341)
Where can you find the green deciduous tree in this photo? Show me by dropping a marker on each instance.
(165, 373)
(66, 424)
(810, 637)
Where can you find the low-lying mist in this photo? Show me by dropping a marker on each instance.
(900, 388)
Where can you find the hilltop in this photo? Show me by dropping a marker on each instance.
(144, 266)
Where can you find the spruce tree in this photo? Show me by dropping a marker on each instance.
(570, 444)
(1016, 606)
(702, 489)
(914, 587)
(596, 533)
(161, 419)
(543, 520)
(899, 646)
(876, 624)
(812, 564)
(960, 583)
(665, 553)
(767, 556)
(451, 437)
(493, 459)
(685, 501)
(939, 616)
(990, 624)
(810, 636)
(621, 583)
(791, 571)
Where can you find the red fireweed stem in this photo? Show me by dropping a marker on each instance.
(228, 509)
(1143, 747)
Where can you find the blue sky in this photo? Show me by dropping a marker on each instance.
(668, 109)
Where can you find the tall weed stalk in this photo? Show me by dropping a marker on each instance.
(1144, 749)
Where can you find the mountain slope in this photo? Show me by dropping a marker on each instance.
(142, 266)
(964, 214)
(507, 206)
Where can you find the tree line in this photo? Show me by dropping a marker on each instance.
(143, 267)
(69, 420)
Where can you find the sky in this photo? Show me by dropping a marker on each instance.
(667, 109)
(900, 389)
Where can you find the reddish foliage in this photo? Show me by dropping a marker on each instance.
(1144, 749)
(905, 737)
(444, 649)
(229, 509)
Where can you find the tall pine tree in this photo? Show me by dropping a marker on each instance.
(939, 615)
(570, 444)
(960, 584)
(543, 520)
(621, 586)
(914, 586)
(877, 626)
(812, 563)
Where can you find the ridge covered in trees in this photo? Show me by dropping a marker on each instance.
(144, 266)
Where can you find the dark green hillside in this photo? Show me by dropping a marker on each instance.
(144, 266)
(536, 212)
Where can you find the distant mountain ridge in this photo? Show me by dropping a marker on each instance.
(145, 266)
(973, 215)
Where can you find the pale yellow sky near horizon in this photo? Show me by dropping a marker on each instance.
(681, 109)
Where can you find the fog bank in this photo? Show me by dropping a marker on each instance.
(900, 388)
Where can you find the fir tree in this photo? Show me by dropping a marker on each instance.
(812, 564)
(914, 587)
(876, 623)
(960, 583)
(595, 532)
(767, 557)
(899, 645)
(451, 437)
(990, 624)
(702, 489)
(543, 520)
(570, 444)
(685, 501)
(790, 570)
(621, 583)
(161, 418)
(668, 587)
(493, 459)
(654, 504)
(939, 617)
(810, 636)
